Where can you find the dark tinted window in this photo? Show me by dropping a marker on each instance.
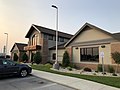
(50, 37)
(45, 36)
(61, 39)
(89, 54)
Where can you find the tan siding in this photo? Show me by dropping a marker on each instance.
(60, 54)
(107, 54)
(90, 35)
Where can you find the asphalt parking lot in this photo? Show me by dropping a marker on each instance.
(30, 83)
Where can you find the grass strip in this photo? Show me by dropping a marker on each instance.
(111, 81)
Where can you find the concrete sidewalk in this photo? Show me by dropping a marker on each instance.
(76, 83)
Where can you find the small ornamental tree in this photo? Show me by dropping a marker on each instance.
(37, 58)
(15, 57)
(24, 57)
(66, 59)
(116, 57)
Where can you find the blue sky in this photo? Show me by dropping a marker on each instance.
(16, 16)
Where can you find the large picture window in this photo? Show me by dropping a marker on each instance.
(89, 54)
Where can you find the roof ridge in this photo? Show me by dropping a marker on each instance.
(51, 29)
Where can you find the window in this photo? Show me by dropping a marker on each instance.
(57, 38)
(54, 56)
(45, 36)
(61, 39)
(50, 37)
(89, 54)
(35, 39)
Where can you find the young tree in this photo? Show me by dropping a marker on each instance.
(116, 57)
(24, 57)
(15, 57)
(66, 59)
(37, 58)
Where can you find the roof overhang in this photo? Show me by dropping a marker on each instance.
(32, 28)
(83, 28)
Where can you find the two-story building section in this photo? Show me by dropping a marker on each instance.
(42, 39)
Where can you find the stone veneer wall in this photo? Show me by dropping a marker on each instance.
(44, 50)
(69, 50)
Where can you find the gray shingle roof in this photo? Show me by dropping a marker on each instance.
(47, 31)
(20, 46)
(116, 35)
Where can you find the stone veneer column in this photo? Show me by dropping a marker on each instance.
(44, 50)
(115, 47)
(69, 50)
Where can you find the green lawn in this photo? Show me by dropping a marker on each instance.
(111, 81)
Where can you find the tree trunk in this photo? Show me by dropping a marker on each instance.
(116, 68)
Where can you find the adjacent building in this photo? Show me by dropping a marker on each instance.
(18, 48)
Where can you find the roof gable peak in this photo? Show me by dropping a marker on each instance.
(85, 27)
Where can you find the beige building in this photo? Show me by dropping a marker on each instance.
(90, 43)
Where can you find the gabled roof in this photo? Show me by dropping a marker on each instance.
(116, 35)
(87, 25)
(20, 46)
(47, 31)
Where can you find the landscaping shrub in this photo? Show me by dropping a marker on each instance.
(37, 58)
(99, 68)
(60, 64)
(69, 68)
(15, 58)
(66, 59)
(24, 57)
(116, 57)
(111, 69)
(72, 65)
(87, 69)
(48, 65)
(50, 62)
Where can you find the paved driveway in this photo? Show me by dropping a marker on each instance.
(30, 83)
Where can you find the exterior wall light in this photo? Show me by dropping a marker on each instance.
(103, 46)
(76, 48)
